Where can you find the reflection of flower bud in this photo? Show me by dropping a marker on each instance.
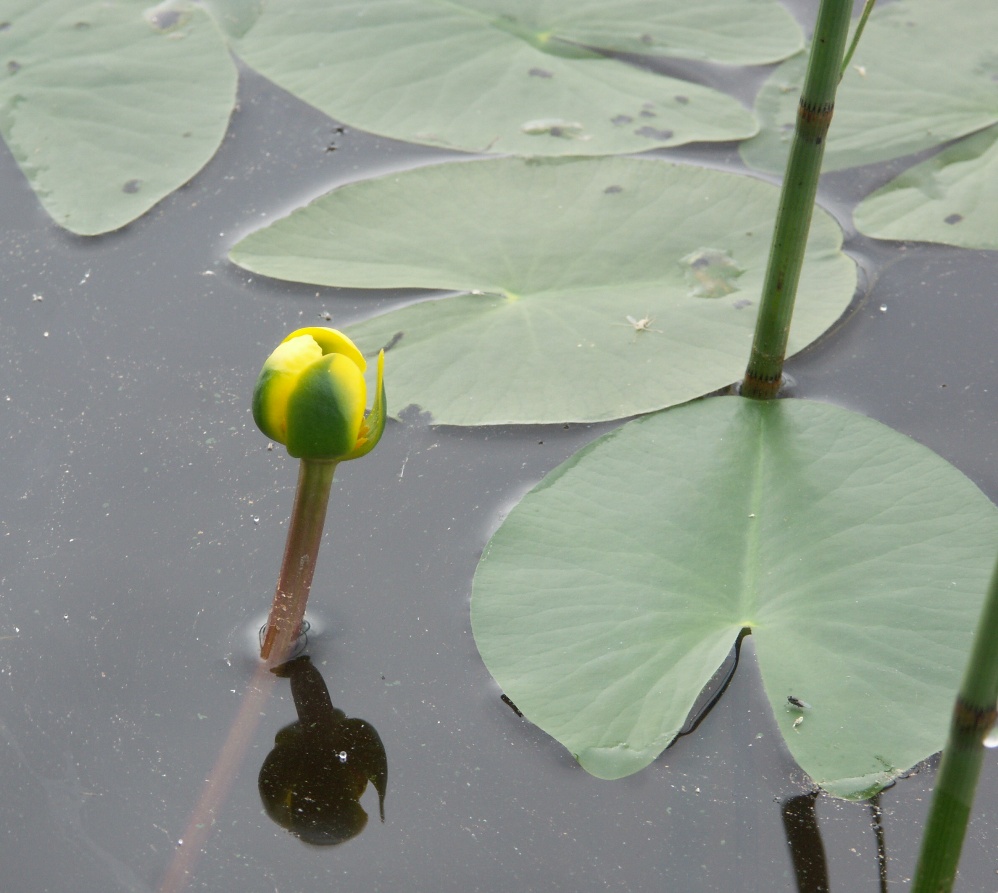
(311, 397)
(312, 781)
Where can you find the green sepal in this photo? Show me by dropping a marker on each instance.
(325, 409)
(375, 420)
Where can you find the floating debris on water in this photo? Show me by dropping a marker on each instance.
(711, 272)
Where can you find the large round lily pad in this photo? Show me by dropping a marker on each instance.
(511, 76)
(108, 107)
(921, 76)
(588, 289)
(857, 558)
(951, 197)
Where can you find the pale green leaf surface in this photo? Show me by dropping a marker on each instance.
(858, 558)
(510, 76)
(563, 251)
(235, 17)
(923, 74)
(108, 107)
(951, 197)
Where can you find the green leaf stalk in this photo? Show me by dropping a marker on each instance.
(308, 517)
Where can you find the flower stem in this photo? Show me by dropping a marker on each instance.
(800, 185)
(315, 477)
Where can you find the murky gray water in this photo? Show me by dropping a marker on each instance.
(142, 526)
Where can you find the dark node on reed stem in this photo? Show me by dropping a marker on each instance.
(758, 388)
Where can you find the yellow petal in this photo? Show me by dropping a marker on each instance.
(278, 379)
(332, 341)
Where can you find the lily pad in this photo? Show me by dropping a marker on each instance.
(511, 76)
(920, 77)
(857, 558)
(588, 289)
(952, 198)
(108, 107)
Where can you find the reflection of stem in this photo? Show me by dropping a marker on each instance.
(217, 785)
(316, 712)
(806, 848)
(876, 819)
(315, 477)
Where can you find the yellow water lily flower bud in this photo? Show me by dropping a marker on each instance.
(311, 396)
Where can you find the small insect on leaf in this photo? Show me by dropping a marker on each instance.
(797, 703)
(640, 325)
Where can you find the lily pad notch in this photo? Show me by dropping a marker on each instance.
(857, 558)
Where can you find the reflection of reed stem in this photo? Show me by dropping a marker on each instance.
(800, 186)
(315, 477)
(877, 822)
(807, 850)
(217, 784)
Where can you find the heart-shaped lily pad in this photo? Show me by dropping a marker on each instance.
(858, 559)
(590, 289)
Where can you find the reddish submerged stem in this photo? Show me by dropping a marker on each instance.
(315, 477)
(216, 787)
